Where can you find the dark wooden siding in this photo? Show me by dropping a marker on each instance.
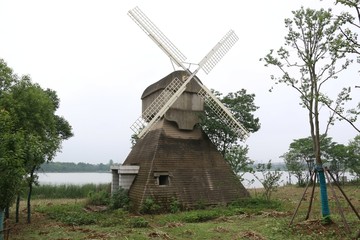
(197, 171)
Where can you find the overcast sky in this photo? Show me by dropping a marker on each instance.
(99, 62)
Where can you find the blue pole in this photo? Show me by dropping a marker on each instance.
(323, 192)
(1, 224)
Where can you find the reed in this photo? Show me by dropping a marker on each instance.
(72, 191)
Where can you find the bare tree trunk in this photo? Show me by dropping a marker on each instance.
(29, 203)
(30, 185)
(17, 208)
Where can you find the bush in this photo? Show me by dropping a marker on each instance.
(120, 199)
(200, 216)
(139, 222)
(200, 204)
(98, 198)
(175, 205)
(149, 206)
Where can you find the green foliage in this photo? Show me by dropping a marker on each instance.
(11, 167)
(149, 206)
(98, 198)
(138, 222)
(73, 214)
(249, 218)
(301, 156)
(255, 205)
(175, 205)
(35, 129)
(75, 167)
(237, 158)
(354, 5)
(354, 158)
(314, 53)
(200, 204)
(270, 179)
(242, 106)
(120, 199)
(67, 190)
(201, 216)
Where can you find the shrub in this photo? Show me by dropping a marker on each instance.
(200, 204)
(98, 198)
(175, 205)
(120, 199)
(139, 222)
(149, 206)
(200, 216)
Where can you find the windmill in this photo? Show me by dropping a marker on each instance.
(161, 104)
(173, 157)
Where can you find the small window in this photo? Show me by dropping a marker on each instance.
(163, 180)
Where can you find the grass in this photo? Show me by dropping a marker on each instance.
(254, 218)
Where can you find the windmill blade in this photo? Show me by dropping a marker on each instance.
(209, 61)
(166, 106)
(157, 36)
(156, 105)
(218, 52)
(167, 98)
(223, 113)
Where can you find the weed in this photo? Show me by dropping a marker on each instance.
(69, 214)
(98, 198)
(175, 205)
(120, 199)
(200, 216)
(138, 222)
(149, 206)
(200, 204)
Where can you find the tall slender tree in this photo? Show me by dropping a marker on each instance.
(314, 53)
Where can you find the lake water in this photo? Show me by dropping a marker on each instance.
(74, 178)
(97, 178)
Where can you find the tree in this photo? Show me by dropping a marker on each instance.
(11, 168)
(352, 37)
(270, 178)
(353, 21)
(354, 156)
(33, 111)
(295, 166)
(320, 55)
(301, 155)
(237, 158)
(299, 158)
(338, 155)
(242, 106)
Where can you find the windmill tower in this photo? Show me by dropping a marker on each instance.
(173, 158)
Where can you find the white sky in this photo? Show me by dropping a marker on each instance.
(99, 62)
